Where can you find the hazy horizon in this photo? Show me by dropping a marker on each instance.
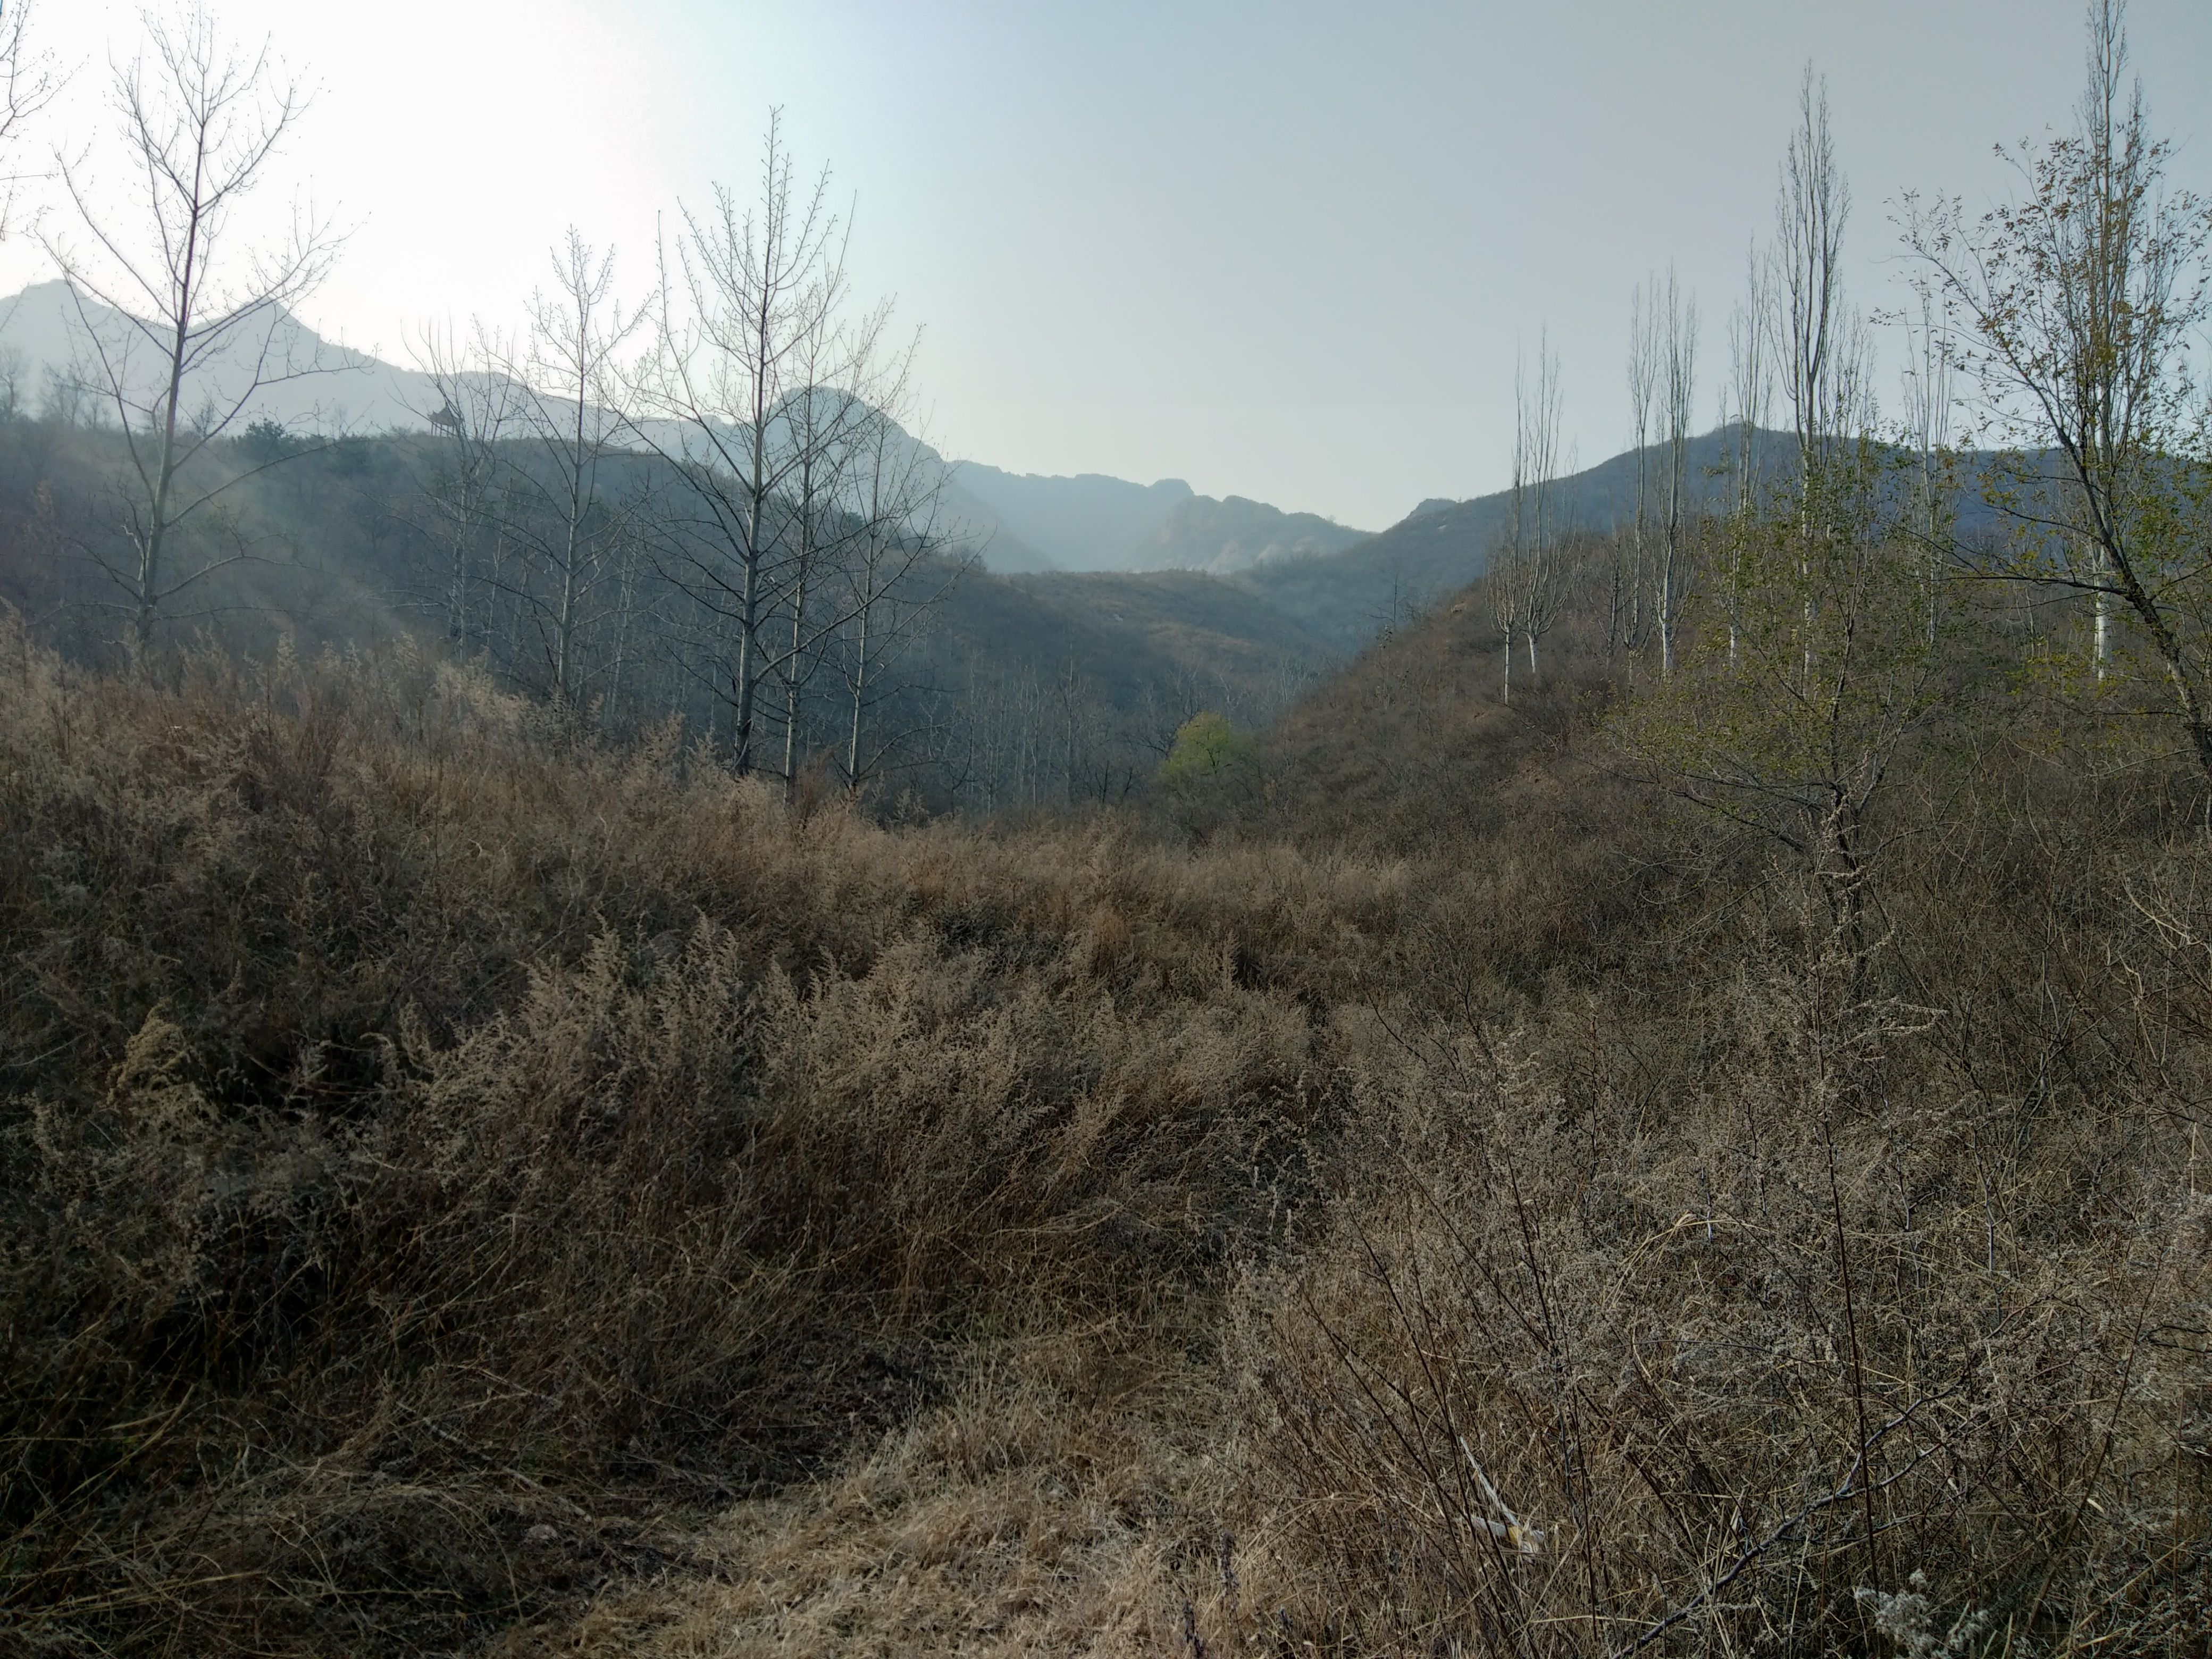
(1280, 253)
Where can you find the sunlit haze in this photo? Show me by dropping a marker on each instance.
(1284, 251)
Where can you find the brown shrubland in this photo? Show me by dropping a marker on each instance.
(1819, 1264)
(464, 1187)
(420, 1130)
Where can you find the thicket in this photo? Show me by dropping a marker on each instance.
(1007, 693)
(1608, 1224)
(1828, 1273)
(1813, 1256)
(1807, 1250)
(420, 1128)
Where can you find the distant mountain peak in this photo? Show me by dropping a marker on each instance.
(1088, 521)
(353, 392)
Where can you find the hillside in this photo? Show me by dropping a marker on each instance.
(552, 1189)
(1357, 592)
(1006, 690)
(552, 1196)
(1339, 586)
(1409, 750)
(1224, 536)
(347, 390)
(1089, 522)
(1092, 523)
(1210, 631)
(632, 1034)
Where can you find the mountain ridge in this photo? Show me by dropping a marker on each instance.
(1341, 586)
(1022, 522)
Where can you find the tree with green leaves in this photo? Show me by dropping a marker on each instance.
(1785, 716)
(1787, 706)
(2073, 314)
(1207, 746)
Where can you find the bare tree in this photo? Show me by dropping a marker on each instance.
(1528, 582)
(900, 567)
(1821, 350)
(571, 408)
(823, 427)
(479, 405)
(161, 285)
(1808, 317)
(760, 286)
(1927, 410)
(28, 83)
(1644, 357)
(1679, 389)
(1505, 591)
(1746, 399)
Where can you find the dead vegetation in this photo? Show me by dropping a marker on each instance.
(468, 1190)
(421, 1132)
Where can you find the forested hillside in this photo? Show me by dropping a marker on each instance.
(984, 691)
(1016, 521)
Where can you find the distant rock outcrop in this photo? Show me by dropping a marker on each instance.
(1094, 523)
(1224, 536)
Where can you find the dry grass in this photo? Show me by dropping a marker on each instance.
(1041, 1509)
(421, 1131)
(466, 1190)
(1749, 1370)
(1806, 1288)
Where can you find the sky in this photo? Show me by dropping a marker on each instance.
(1278, 249)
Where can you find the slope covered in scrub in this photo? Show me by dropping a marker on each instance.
(468, 1188)
(421, 1130)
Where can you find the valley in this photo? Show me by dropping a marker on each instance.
(643, 1017)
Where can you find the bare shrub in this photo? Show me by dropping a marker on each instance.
(1782, 1319)
(423, 1130)
(462, 1177)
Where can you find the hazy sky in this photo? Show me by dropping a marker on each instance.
(1282, 250)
